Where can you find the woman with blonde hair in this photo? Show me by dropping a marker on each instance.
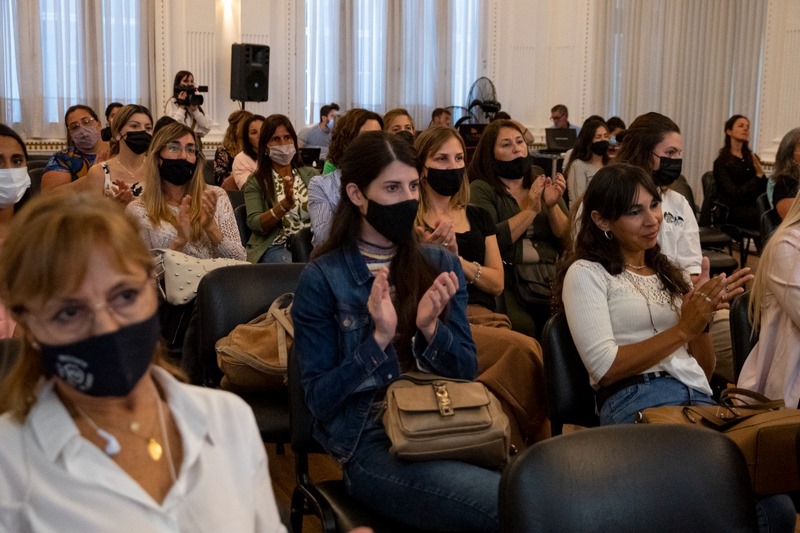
(773, 367)
(509, 363)
(177, 210)
(397, 120)
(95, 430)
(231, 145)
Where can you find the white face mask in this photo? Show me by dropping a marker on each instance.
(282, 154)
(330, 123)
(13, 184)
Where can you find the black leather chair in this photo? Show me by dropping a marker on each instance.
(742, 338)
(227, 297)
(328, 500)
(763, 203)
(570, 398)
(36, 179)
(719, 218)
(629, 478)
(301, 246)
(712, 240)
(770, 220)
(240, 214)
(236, 198)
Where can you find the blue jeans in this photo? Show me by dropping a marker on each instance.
(621, 408)
(430, 495)
(276, 254)
(776, 514)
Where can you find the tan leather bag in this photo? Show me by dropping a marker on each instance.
(430, 417)
(767, 433)
(254, 355)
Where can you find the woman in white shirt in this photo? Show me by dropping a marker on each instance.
(181, 108)
(96, 433)
(634, 316)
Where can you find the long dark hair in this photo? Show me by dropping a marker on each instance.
(482, 165)
(725, 151)
(6, 131)
(641, 138)
(611, 192)
(247, 148)
(583, 147)
(345, 129)
(263, 171)
(410, 274)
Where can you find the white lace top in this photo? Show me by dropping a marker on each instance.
(162, 235)
(605, 312)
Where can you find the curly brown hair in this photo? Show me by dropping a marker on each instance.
(346, 129)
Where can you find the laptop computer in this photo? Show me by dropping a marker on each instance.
(559, 140)
(310, 156)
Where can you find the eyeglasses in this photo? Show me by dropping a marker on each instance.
(74, 319)
(75, 126)
(174, 147)
(556, 118)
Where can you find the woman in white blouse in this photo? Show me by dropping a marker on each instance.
(634, 316)
(177, 209)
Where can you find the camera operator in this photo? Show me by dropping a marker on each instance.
(185, 106)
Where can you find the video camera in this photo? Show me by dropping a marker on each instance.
(192, 98)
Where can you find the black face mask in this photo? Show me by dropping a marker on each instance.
(446, 182)
(668, 171)
(393, 221)
(513, 170)
(600, 147)
(138, 141)
(176, 171)
(105, 365)
(105, 133)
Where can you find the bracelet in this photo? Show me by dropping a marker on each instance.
(477, 274)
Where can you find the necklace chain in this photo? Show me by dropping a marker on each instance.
(126, 169)
(635, 267)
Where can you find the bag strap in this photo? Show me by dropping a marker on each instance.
(730, 396)
(278, 310)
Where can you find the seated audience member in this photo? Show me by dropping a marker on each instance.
(161, 122)
(180, 107)
(529, 213)
(276, 194)
(786, 176)
(90, 406)
(122, 176)
(319, 135)
(15, 186)
(324, 191)
(738, 175)
(654, 143)
(232, 144)
(246, 161)
(589, 155)
(111, 111)
(773, 367)
(84, 149)
(559, 115)
(616, 131)
(177, 210)
(634, 316)
(397, 120)
(509, 362)
(441, 117)
(372, 304)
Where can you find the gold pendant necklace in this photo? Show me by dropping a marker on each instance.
(113, 447)
(123, 167)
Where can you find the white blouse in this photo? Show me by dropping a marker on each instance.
(605, 312)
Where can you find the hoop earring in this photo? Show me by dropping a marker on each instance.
(608, 235)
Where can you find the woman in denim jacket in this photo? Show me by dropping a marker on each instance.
(372, 304)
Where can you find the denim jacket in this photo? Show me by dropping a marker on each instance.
(343, 369)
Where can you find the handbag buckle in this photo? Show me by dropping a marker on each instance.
(443, 399)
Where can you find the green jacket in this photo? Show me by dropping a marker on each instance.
(256, 205)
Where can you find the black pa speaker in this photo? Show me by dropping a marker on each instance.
(249, 72)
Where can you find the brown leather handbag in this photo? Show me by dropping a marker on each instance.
(767, 433)
(429, 417)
